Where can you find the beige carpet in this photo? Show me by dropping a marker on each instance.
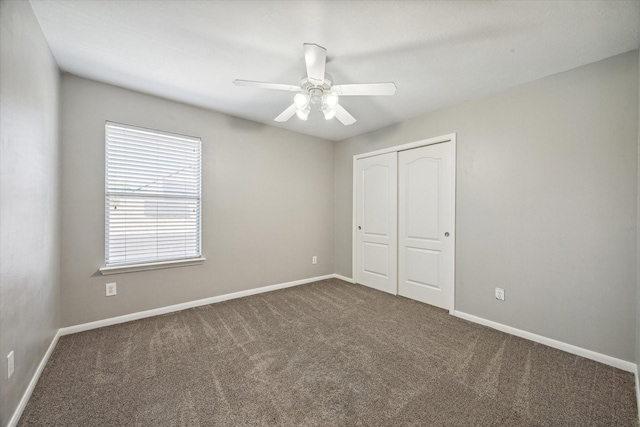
(323, 354)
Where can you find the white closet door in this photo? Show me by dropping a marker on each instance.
(376, 222)
(425, 234)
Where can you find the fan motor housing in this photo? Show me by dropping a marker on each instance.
(307, 86)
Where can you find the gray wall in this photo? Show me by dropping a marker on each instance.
(546, 203)
(29, 199)
(267, 204)
(638, 251)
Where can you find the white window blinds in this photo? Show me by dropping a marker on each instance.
(152, 196)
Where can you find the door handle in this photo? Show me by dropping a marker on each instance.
(359, 228)
(446, 234)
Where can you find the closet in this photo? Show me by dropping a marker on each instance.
(404, 200)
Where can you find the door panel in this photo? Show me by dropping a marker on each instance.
(375, 259)
(425, 206)
(376, 216)
(421, 193)
(422, 267)
(376, 188)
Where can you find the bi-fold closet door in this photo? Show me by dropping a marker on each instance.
(404, 219)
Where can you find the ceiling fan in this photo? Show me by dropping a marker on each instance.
(317, 90)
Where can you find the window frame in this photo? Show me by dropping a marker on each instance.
(124, 267)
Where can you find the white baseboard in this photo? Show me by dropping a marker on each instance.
(183, 306)
(569, 348)
(32, 384)
(637, 391)
(345, 278)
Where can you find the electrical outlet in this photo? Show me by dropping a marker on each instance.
(314, 260)
(10, 364)
(500, 294)
(111, 289)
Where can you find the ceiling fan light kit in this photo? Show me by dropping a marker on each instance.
(303, 114)
(301, 100)
(317, 89)
(329, 113)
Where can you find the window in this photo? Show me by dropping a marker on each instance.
(152, 196)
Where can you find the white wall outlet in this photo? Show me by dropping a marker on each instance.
(314, 260)
(500, 294)
(10, 364)
(111, 289)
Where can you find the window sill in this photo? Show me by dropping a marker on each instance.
(131, 268)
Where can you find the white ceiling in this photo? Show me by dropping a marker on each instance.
(438, 53)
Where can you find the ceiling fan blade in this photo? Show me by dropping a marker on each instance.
(315, 57)
(344, 116)
(365, 89)
(263, 85)
(286, 114)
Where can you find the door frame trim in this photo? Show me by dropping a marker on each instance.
(416, 144)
